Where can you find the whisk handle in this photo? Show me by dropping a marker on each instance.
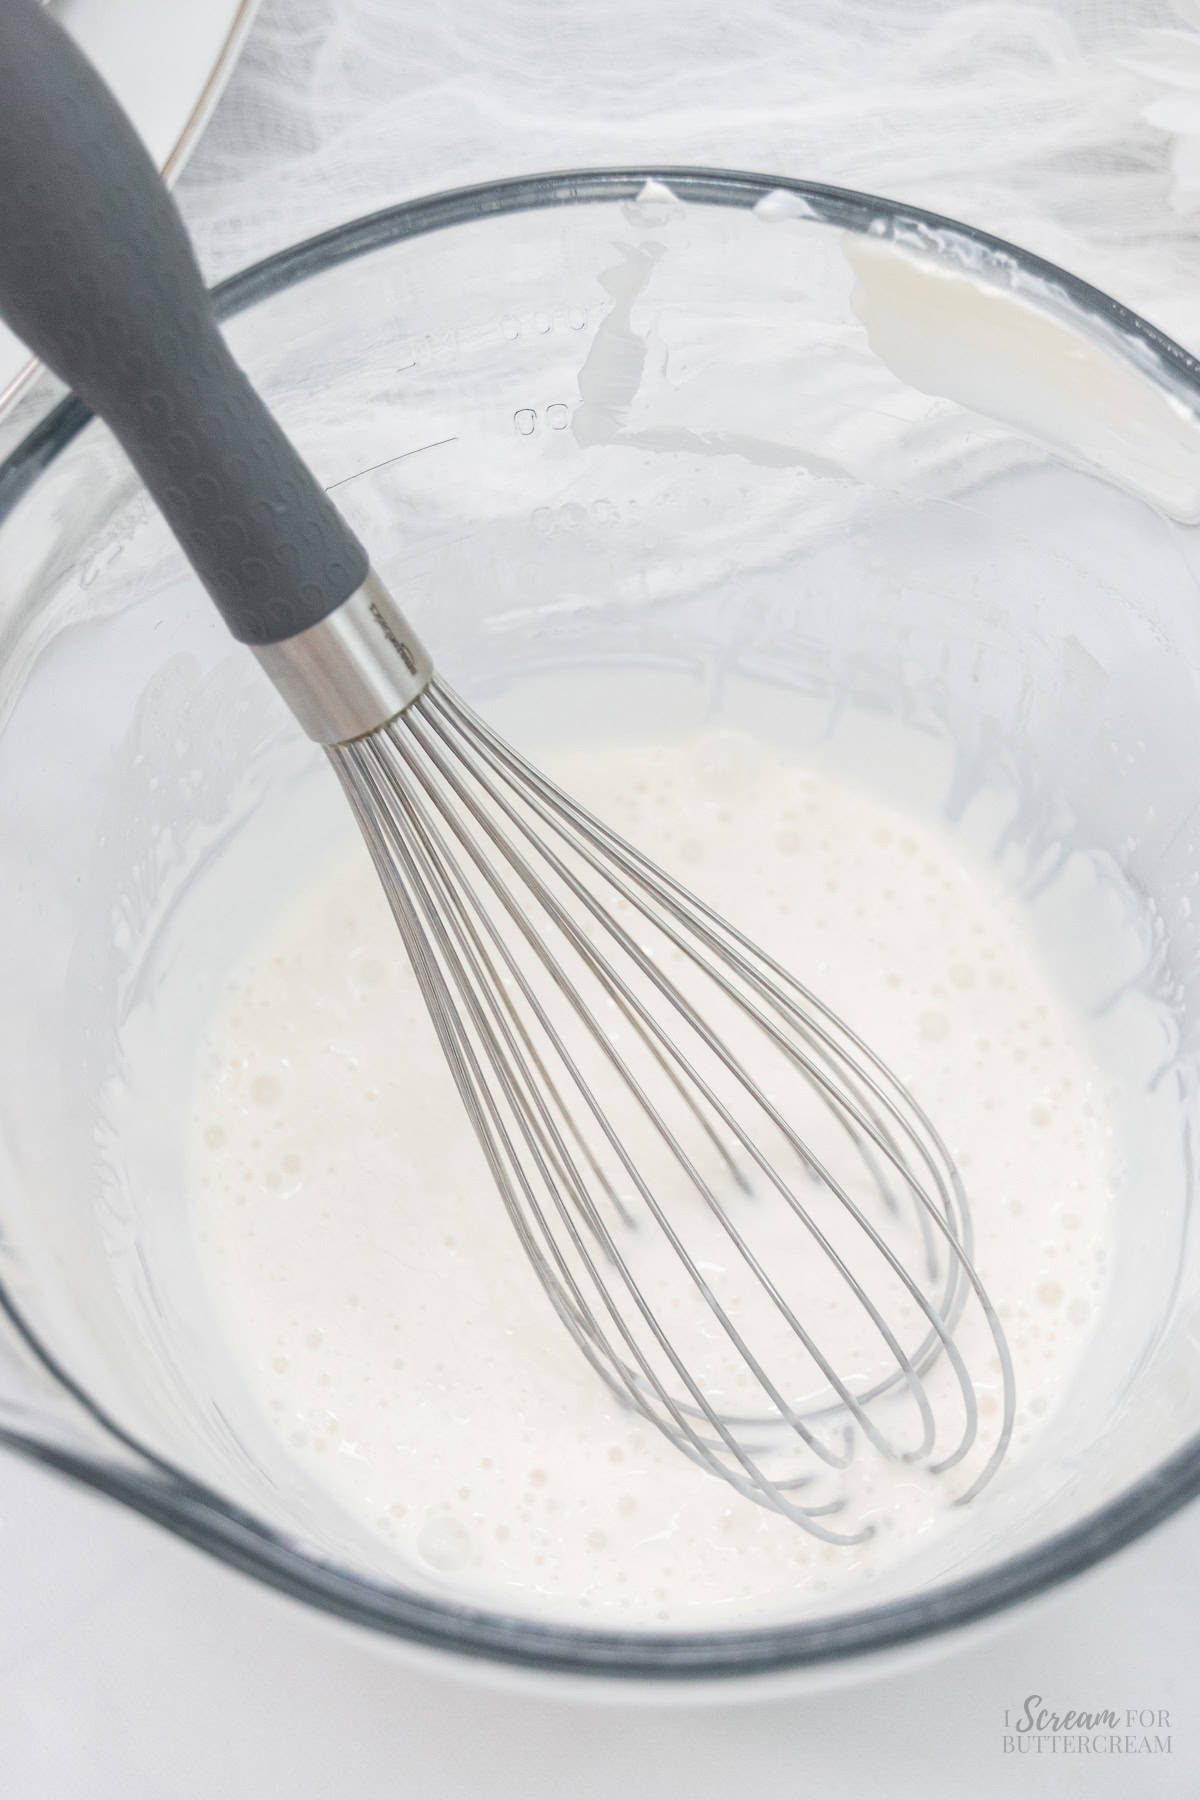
(98, 277)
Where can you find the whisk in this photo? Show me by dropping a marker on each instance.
(748, 1226)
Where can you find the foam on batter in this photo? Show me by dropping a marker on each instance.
(379, 1300)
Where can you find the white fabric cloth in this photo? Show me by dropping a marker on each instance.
(1071, 126)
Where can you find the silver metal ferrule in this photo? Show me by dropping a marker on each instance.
(353, 670)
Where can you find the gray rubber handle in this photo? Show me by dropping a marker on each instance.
(98, 277)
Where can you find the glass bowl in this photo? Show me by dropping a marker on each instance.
(698, 426)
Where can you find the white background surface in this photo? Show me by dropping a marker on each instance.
(131, 1666)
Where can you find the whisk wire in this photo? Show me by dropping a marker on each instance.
(487, 865)
(495, 995)
(699, 1025)
(613, 983)
(950, 1217)
(436, 903)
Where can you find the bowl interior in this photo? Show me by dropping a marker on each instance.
(687, 451)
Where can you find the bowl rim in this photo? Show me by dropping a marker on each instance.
(156, 1488)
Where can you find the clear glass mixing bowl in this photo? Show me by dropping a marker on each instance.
(580, 422)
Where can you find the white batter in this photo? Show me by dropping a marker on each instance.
(377, 1294)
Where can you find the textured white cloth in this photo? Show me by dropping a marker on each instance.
(1072, 126)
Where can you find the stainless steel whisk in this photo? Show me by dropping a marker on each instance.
(663, 1107)
(746, 1223)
